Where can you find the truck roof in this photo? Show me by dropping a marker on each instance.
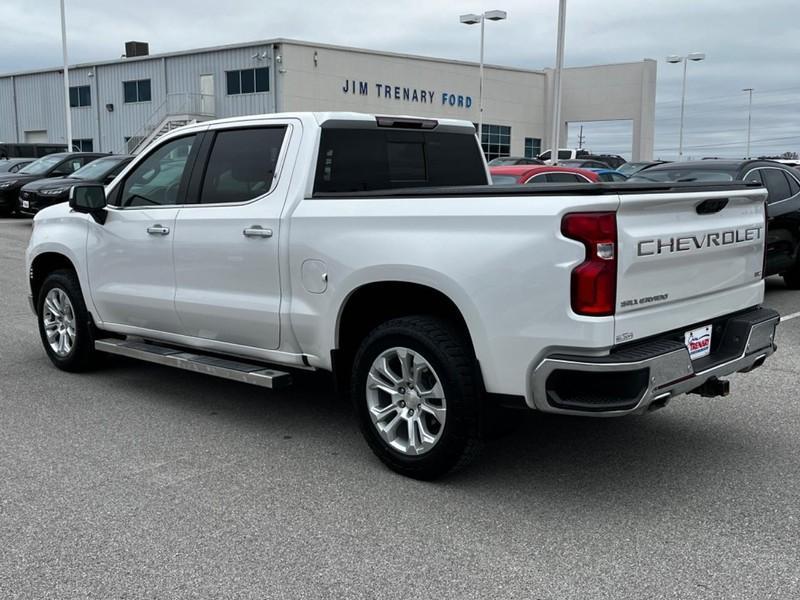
(356, 119)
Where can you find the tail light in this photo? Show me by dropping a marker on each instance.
(594, 281)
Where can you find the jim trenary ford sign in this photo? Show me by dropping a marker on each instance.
(408, 94)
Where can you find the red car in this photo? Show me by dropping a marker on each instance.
(540, 174)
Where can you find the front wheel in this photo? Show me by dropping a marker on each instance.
(417, 395)
(64, 323)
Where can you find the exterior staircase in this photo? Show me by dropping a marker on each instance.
(175, 111)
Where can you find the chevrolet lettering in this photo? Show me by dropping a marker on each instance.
(684, 244)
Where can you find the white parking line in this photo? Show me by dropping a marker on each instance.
(791, 316)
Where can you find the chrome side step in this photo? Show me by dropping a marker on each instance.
(245, 372)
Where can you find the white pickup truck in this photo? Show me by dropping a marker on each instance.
(371, 247)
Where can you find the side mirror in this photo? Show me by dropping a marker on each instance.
(89, 199)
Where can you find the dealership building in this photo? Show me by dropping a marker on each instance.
(121, 105)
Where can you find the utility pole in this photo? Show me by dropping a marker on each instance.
(66, 78)
(581, 139)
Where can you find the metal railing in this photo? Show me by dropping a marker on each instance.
(178, 105)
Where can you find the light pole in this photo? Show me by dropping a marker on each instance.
(673, 59)
(472, 19)
(556, 131)
(749, 118)
(66, 77)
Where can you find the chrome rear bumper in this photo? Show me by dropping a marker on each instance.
(634, 377)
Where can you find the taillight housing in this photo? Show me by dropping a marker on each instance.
(594, 281)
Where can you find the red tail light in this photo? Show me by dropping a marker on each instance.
(594, 281)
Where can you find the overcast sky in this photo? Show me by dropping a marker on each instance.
(747, 45)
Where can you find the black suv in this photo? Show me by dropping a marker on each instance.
(52, 165)
(40, 194)
(783, 202)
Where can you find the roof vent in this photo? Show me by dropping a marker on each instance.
(136, 49)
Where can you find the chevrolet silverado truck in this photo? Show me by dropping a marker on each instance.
(255, 248)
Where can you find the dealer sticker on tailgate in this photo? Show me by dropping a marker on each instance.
(698, 342)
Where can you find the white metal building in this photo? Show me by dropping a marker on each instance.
(120, 105)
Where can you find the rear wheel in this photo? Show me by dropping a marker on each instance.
(64, 323)
(417, 396)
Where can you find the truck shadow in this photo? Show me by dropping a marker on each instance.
(659, 460)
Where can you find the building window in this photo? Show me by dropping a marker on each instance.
(496, 140)
(80, 95)
(247, 81)
(136, 91)
(83, 145)
(533, 147)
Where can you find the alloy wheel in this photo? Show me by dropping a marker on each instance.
(406, 401)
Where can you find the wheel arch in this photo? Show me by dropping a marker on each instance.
(375, 302)
(42, 265)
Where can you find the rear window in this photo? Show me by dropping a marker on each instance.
(355, 160)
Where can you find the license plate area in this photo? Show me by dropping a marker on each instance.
(698, 341)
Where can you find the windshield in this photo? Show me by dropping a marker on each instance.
(505, 160)
(678, 175)
(571, 163)
(42, 166)
(97, 169)
(503, 180)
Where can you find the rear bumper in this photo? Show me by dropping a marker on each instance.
(634, 377)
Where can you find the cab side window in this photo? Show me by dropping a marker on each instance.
(541, 178)
(777, 185)
(160, 178)
(754, 176)
(241, 165)
(794, 186)
(565, 178)
(68, 167)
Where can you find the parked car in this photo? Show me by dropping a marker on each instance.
(583, 163)
(40, 194)
(615, 161)
(631, 168)
(540, 174)
(28, 150)
(301, 242)
(783, 202)
(53, 165)
(563, 154)
(503, 161)
(610, 160)
(610, 175)
(12, 165)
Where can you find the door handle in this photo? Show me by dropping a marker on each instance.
(158, 230)
(257, 231)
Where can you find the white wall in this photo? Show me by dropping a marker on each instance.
(610, 92)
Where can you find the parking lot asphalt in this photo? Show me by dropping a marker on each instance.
(139, 481)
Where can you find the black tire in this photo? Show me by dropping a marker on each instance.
(450, 354)
(792, 277)
(82, 356)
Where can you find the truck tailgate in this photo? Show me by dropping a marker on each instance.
(686, 257)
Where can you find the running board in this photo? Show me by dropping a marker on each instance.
(245, 372)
